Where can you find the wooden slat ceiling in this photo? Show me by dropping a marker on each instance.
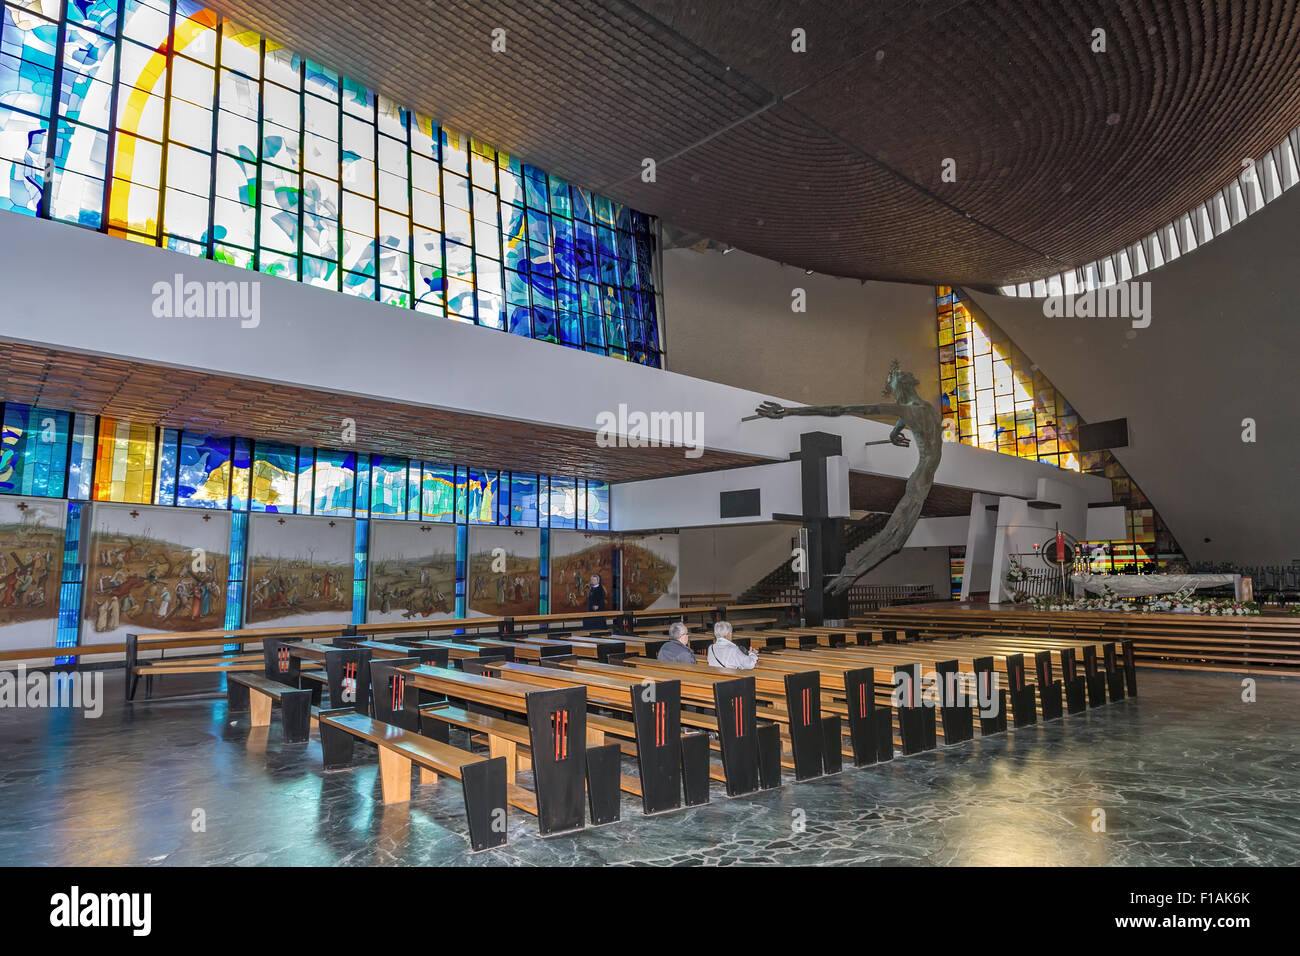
(184, 398)
(832, 159)
(882, 492)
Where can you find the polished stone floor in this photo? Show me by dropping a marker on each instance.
(1186, 774)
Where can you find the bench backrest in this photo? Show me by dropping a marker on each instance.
(279, 665)
(393, 700)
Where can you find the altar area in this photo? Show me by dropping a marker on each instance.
(1140, 585)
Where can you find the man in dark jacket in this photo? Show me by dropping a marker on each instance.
(678, 647)
(596, 601)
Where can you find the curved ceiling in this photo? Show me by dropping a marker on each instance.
(832, 159)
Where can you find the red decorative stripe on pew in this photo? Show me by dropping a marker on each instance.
(560, 733)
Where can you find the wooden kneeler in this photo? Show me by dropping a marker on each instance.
(769, 756)
(695, 768)
(832, 749)
(604, 769)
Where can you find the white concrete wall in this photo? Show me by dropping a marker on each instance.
(693, 500)
(914, 566)
(1222, 347)
(981, 539)
(940, 532)
(728, 560)
(729, 319)
(331, 341)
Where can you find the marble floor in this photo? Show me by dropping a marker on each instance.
(1187, 773)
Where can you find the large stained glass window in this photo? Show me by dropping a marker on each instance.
(161, 122)
(54, 453)
(995, 398)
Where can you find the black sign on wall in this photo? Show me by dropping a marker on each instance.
(1101, 435)
(740, 504)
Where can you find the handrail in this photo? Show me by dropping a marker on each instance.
(252, 635)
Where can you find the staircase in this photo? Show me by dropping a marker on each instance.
(783, 577)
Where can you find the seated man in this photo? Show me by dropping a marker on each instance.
(678, 646)
(723, 653)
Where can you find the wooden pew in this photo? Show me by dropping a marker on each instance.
(565, 752)
(256, 693)
(483, 779)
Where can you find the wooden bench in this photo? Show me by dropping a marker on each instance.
(256, 693)
(561, 745)
(484, 780)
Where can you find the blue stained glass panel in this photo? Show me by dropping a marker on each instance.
(523, 500)
(34, 450)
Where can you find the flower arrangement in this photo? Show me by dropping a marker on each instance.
(1107, 601)
(1181, 602)
(1016, 571)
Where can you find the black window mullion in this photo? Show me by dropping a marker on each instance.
(212, 197)
(302, 162)
(51, 137)
(166, 128)
(410, 215)
(257, 191)
(377, 246)
(118, 41)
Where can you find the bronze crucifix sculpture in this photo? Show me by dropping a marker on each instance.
(922, 420)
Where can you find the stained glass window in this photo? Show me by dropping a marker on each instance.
(388, 487)
(124, 462)
(334, 482)
(34, 450)
(438, 493)
(481, 494)
(995, 398)
(561, 505)
(523, 500)
(173, 126)
(598, 505)
(274, 470)
(203, 475)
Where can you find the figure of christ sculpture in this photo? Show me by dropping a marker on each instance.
(922, 420)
